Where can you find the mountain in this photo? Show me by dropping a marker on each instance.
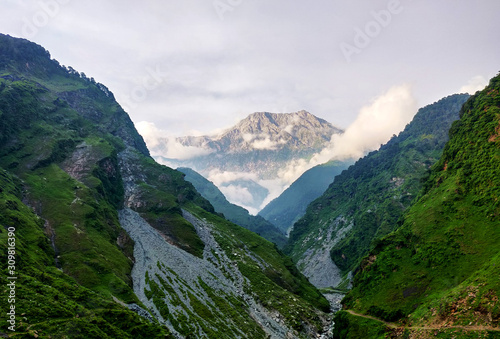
(249, 161)
(437, 274)
(286, 209)
(107, 243)
(232, 212)
(297, 132)
(365, 202)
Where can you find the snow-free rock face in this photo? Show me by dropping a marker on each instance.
(316, 262)
(271, 131)
(196, 288)
(249, 160)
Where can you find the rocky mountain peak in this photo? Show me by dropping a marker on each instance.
(250, 159)
(274, 131)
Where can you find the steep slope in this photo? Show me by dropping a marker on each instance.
(98, 221)
(232, 212)
(251, 157)
(291, 205)
(440, 269)
(47, 302)
(365, 202)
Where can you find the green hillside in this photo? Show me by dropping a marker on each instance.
(440, 269)
(232, 212)
(291, 205)
(49, 302)
(74, 173)
(366, 201)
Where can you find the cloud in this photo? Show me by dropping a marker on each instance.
(217, 71)
(294, 169)
(475, 84)
(150, 133)
(220, 177)
(239, 195)
(275, 188)
(236, 193)
(167, 146)
(247, 137)
(375, 124)
(265, 144)
(262, 141)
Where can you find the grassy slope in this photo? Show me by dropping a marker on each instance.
(232, 212)
(38, 133)
(280, 286)
(373, 193)
(442, 265)
(48, 301)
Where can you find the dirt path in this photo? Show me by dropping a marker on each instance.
(394, 325)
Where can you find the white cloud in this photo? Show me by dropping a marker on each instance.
(150, 133)
(376, 123)
(295, 169)
(239, 195)
(247, 137)
(219, 177)
(167, 146)
(475, 84)
(263, 141)
(275, 188)
(289, 128)
(265, 144)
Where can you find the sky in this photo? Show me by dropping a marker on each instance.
(192, 67)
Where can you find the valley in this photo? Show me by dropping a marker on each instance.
(250, 237)
(250, 162)
(111, 243)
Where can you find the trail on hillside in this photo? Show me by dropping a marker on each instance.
(394, 325)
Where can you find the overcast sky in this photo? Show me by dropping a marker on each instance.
(194, 66)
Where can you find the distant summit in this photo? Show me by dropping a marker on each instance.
(249, 161)
(276, 131)
(268, 131)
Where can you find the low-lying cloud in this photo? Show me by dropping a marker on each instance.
(266, 144)
(239, 195)
(160, 143)
(262, 141)
(227, 182)
(376, 123)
